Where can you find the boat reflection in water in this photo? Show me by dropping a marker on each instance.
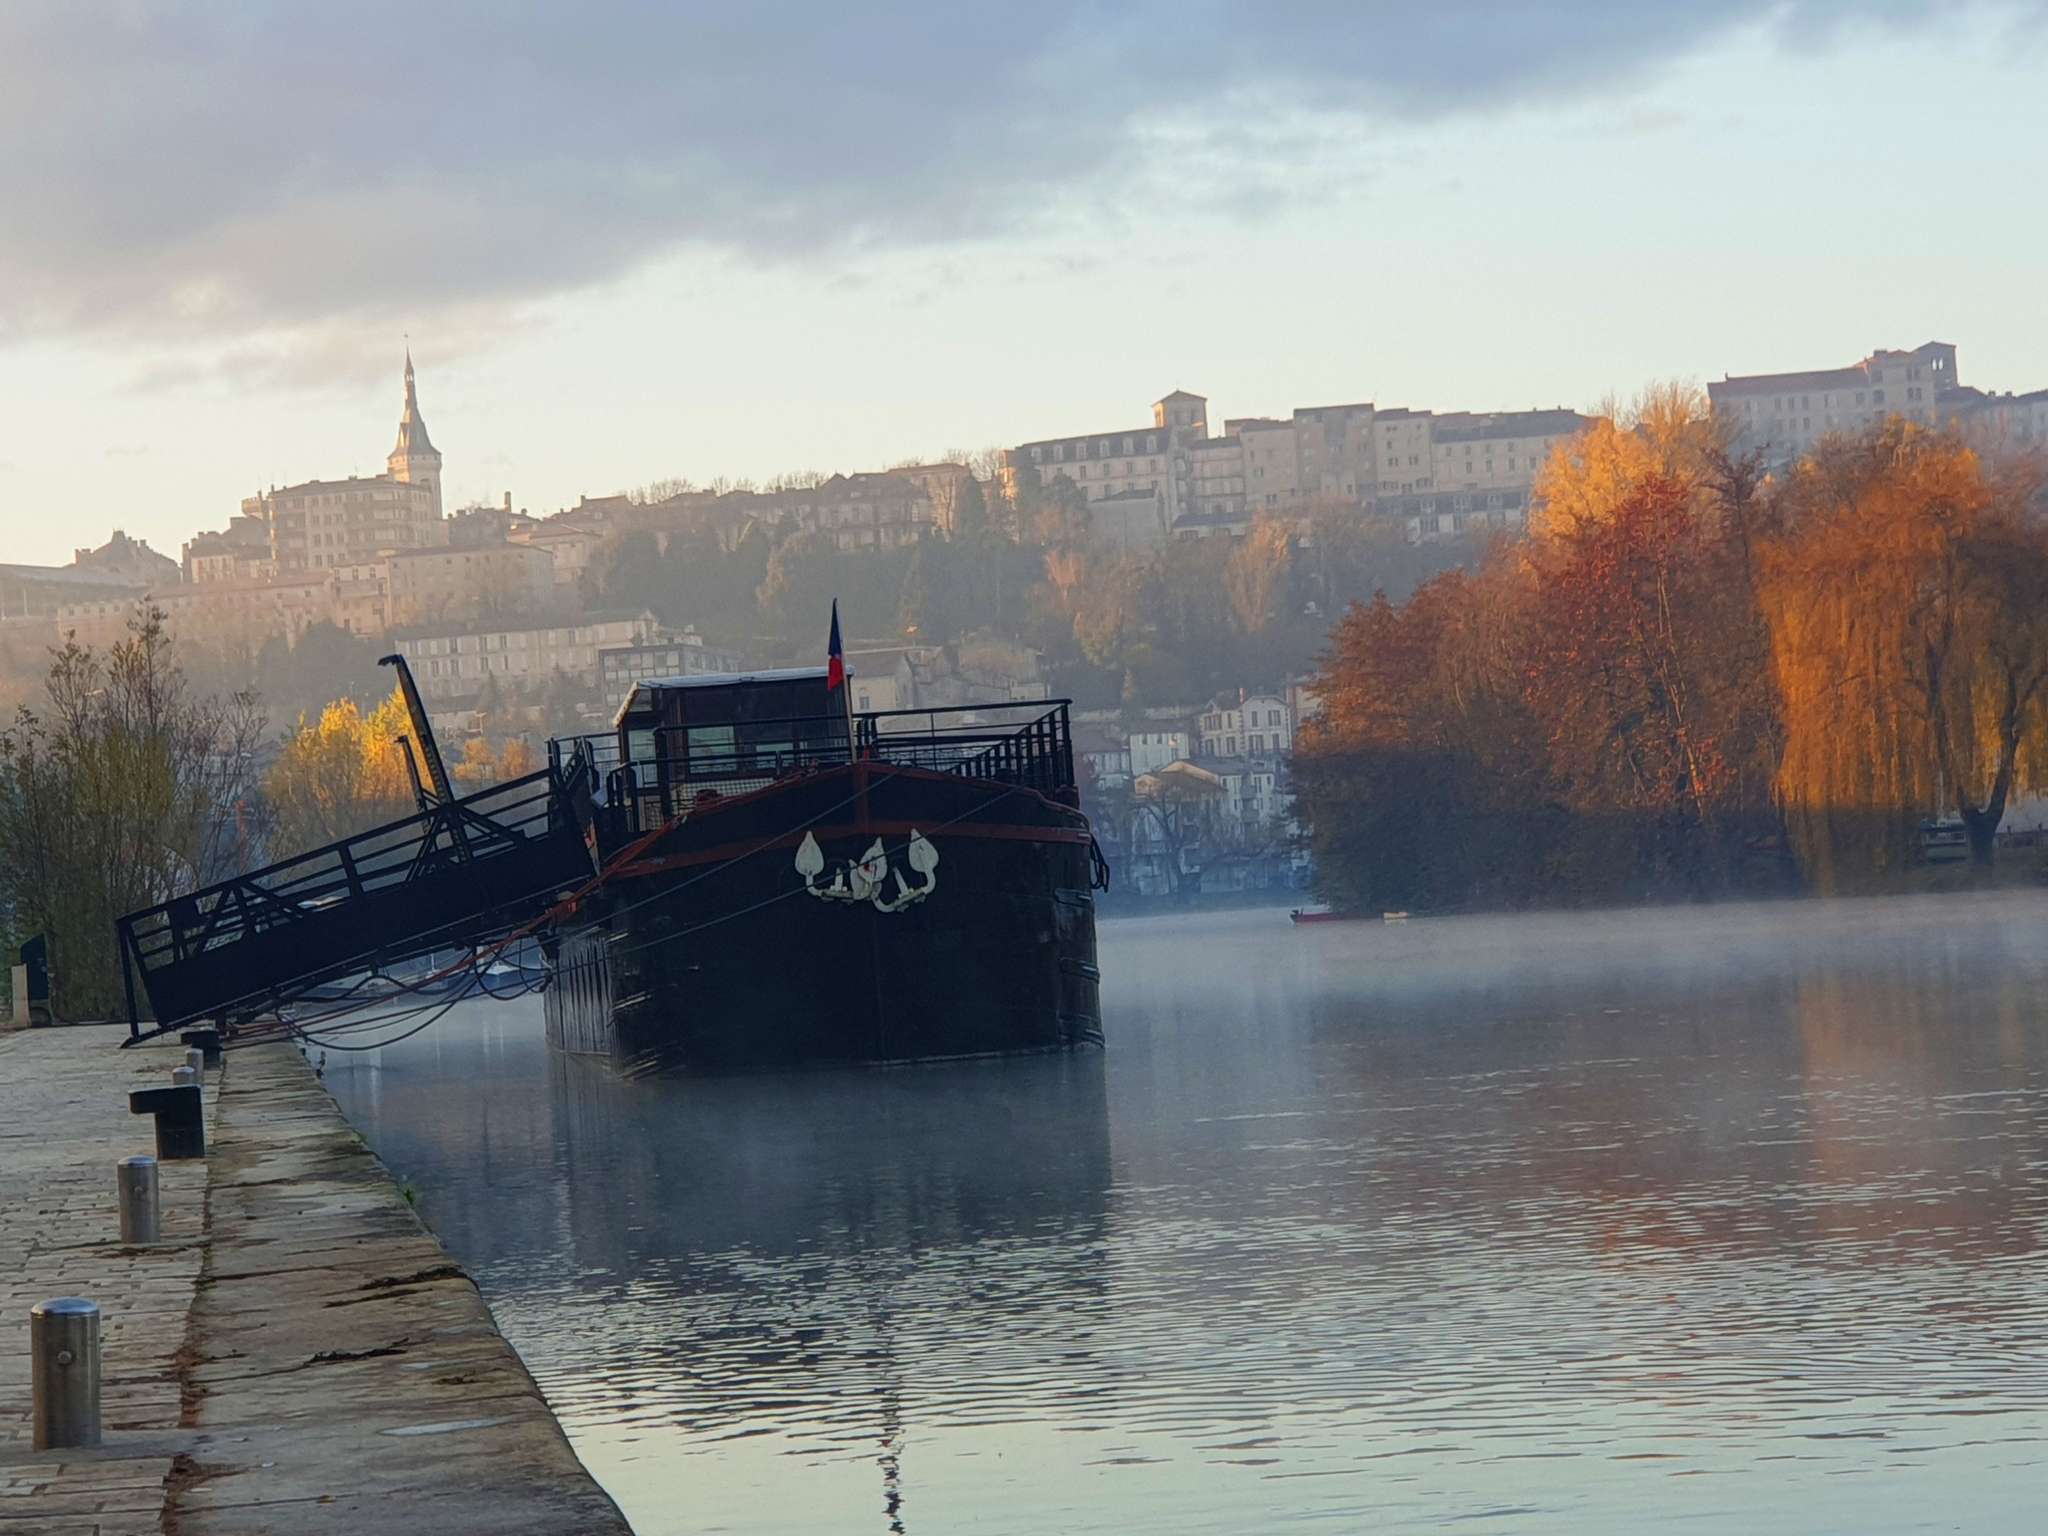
(691, 1266)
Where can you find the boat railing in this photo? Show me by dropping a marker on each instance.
(976, 741)
(1027, 745)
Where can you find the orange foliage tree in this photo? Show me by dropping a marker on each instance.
(1689, 666)
(1908, 606)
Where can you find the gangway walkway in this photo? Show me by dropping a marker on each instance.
(460, 873)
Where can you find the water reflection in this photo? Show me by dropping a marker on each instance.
(1564, 1223)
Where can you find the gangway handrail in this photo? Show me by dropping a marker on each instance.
(326, 897)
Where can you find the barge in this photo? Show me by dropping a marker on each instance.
(791, 884)
(743, 875)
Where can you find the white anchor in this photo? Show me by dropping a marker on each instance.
(864, 879)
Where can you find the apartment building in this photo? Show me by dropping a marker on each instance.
(1156, 458)
(1393, 462)
(1272, 467)
(943, 484)
(1785, 414)
(1217, 466)
(1335, 452)
(686, 654)
(1255, 725)
(571, 547)
(863, 511)
(240, 552)
(237, 615)
(454, 663)
(2007, 423)
(435, 586)
(118, 571)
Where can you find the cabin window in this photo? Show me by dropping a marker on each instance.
(711, 747)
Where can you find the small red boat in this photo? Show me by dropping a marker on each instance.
(1323, 915)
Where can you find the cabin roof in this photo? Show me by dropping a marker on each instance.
(715, 680)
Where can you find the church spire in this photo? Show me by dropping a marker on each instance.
(412, 427)
(415, 460)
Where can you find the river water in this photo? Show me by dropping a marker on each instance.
(1732, 1217)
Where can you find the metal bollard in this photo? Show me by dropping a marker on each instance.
(195, 1058)
(184, 1077)
(141, 1206)
(180, 1118)
(64, 1360)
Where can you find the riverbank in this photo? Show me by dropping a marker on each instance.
(300, 1354)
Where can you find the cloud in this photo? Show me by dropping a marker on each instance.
(263, 178)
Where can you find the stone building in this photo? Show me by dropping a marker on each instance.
(1252, 725)
(321, 524)
(239, 553)
(1784, 414)
(1354, 455)
(124, 559)
(454, 662)
(1102, 464)
(863, 511)
(231, 617)
(685, 654)
(436, 586)
(943, 485)
(119, 572)
(2008, 423)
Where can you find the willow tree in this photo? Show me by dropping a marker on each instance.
(1908, 609)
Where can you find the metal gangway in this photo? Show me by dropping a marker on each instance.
(462, 872)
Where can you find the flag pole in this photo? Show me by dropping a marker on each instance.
(835, 677)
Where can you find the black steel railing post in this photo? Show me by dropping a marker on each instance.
(662, 779)
(349, 872)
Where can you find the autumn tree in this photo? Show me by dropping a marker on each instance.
(1669, 434)
(340, 774)
(120, 788)
(1420, 783)
(1644, 674)
(1908, 611)
(482, 765)
(1255, 575)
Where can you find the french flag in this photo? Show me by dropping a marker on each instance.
(835, 657)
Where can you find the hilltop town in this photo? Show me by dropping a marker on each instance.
(1175, 579)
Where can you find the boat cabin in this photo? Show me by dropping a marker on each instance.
(678, 740)
(729, 732)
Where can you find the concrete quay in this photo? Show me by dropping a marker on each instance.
(298, 1355)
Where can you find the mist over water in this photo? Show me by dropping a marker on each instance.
(1727, 1215)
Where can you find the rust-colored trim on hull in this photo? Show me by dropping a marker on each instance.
(865, 828)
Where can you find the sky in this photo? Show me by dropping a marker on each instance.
(629, 242)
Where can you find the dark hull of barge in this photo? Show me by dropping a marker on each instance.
(710, 950)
